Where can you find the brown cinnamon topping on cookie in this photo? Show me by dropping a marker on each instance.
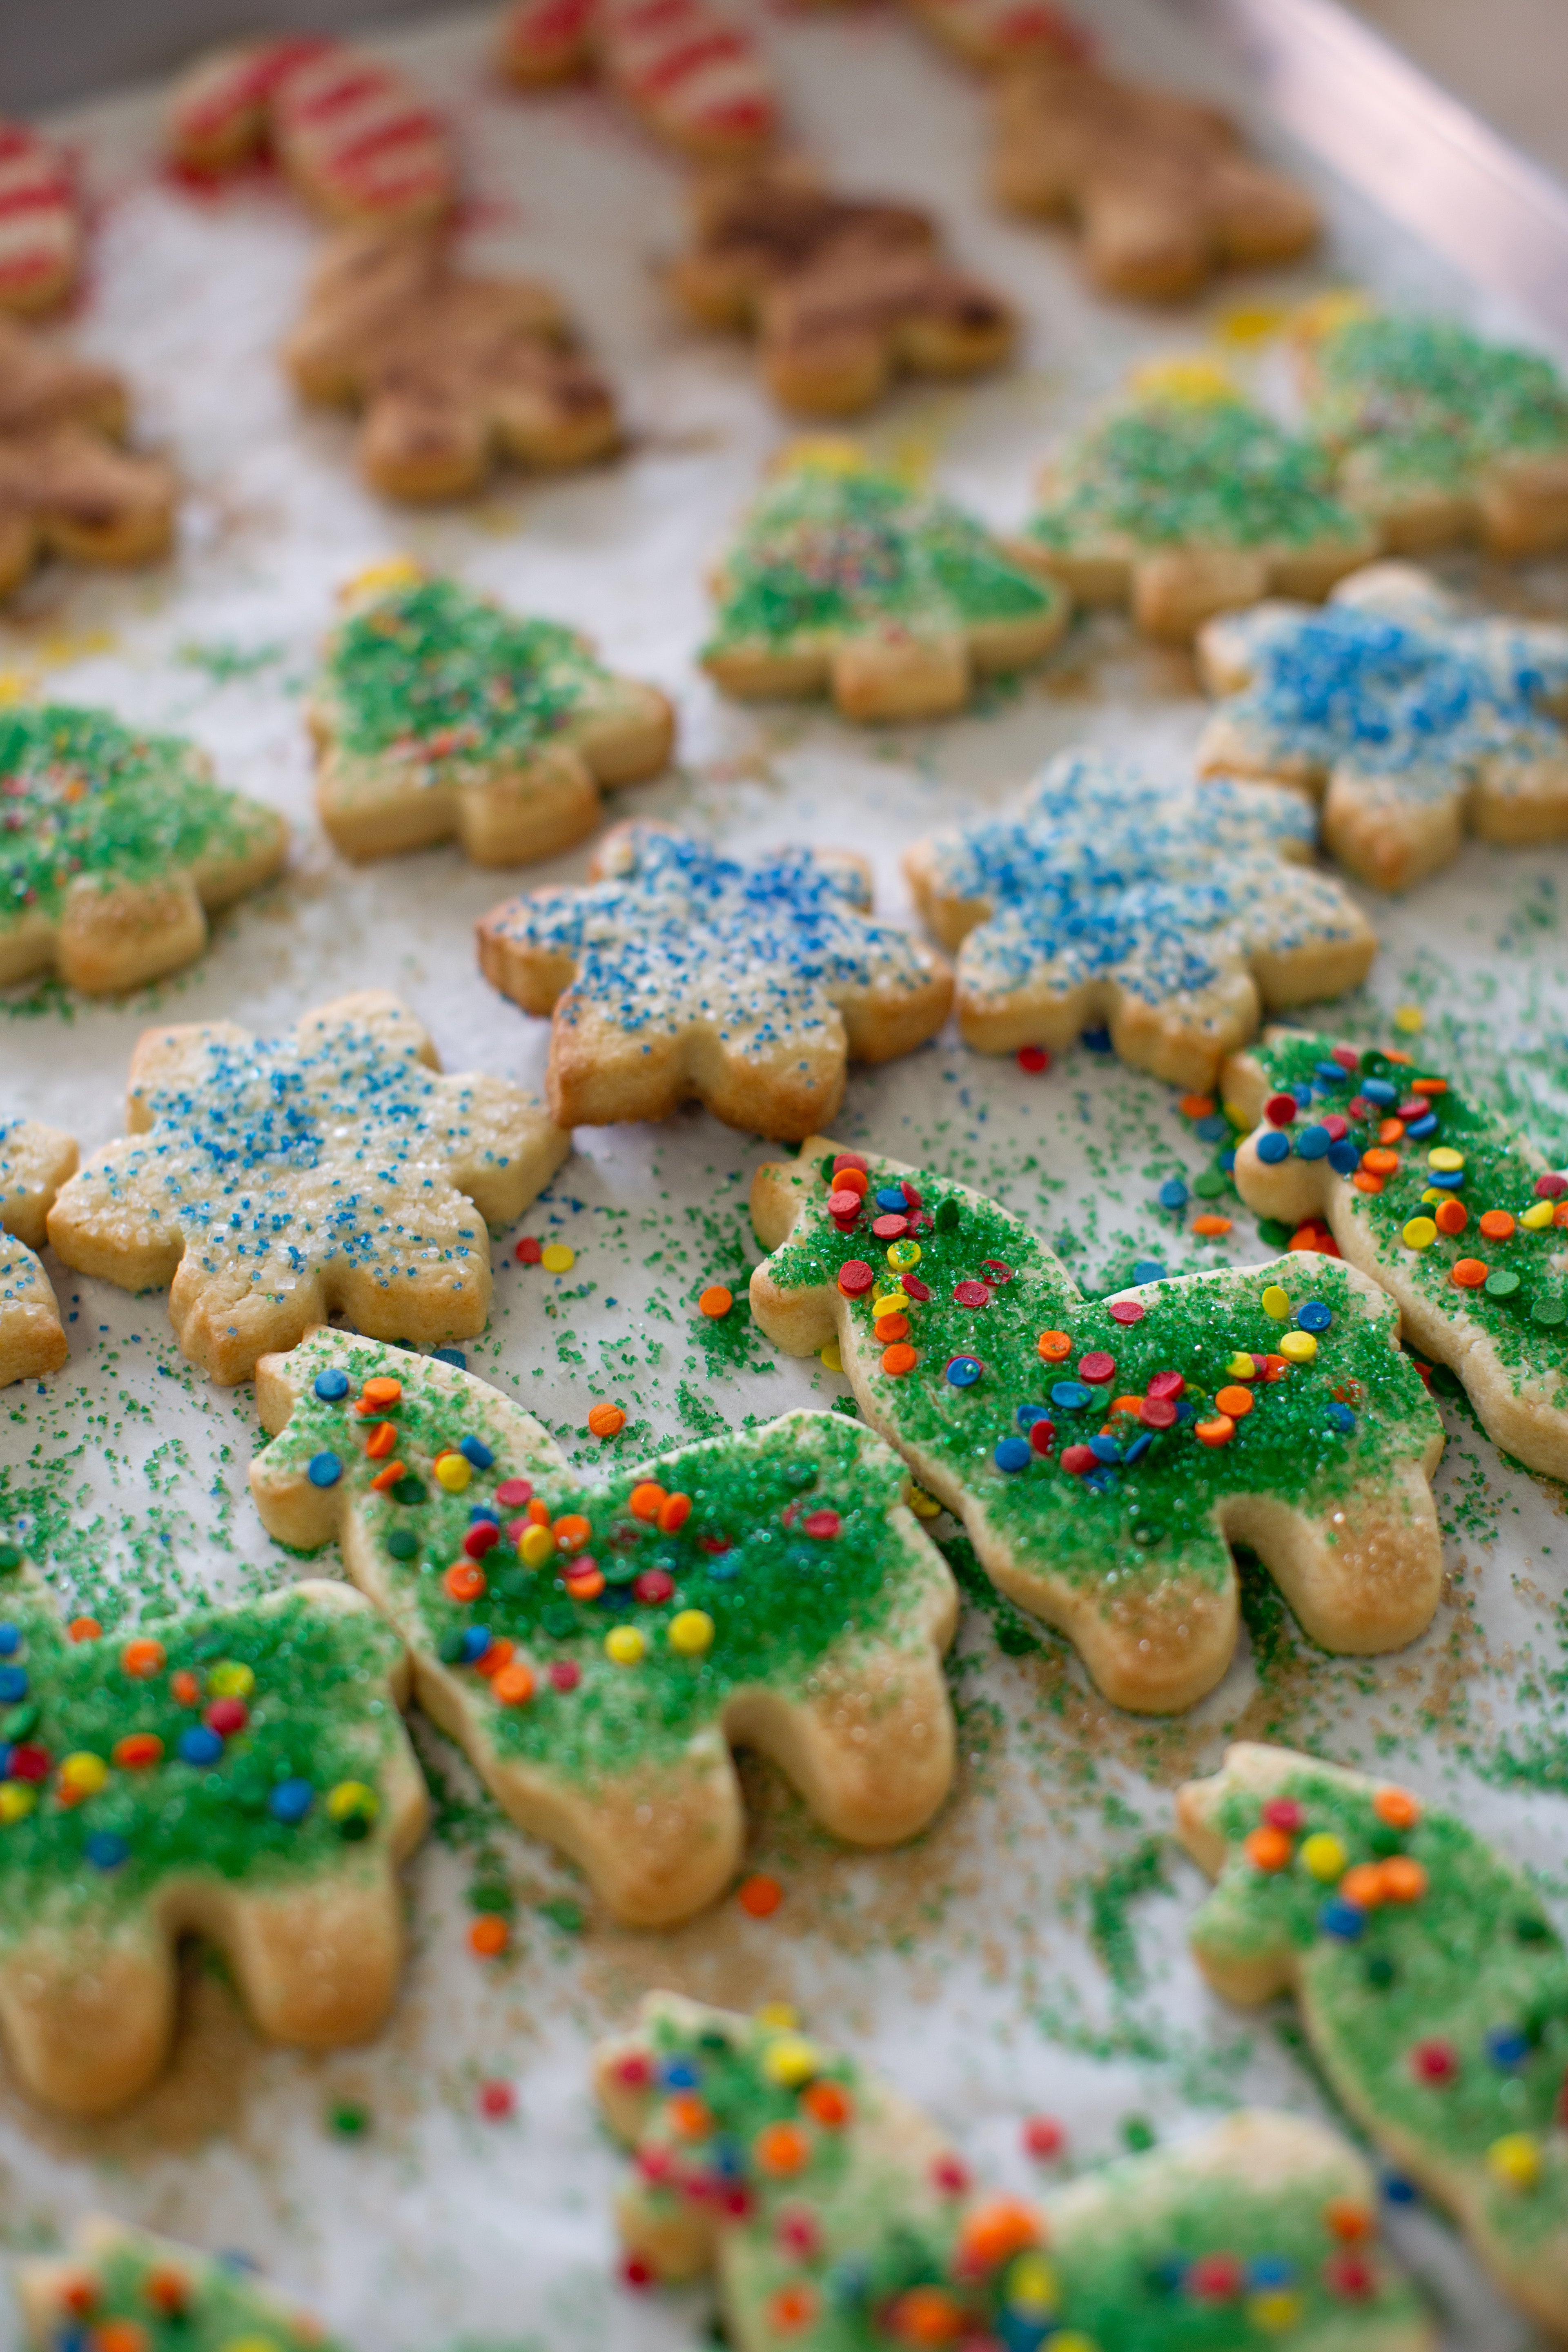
(64, 487)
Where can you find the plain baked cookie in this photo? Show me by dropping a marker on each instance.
(40, 220)
(450, 371)
(273, 1182)
(680, 975)
(1412, 724)
(34, 1161)
(1171, 915)
(439, 713)
(116, 848)
(845, 580)
(133, 2291)
(1103, 1456)
(836, 2214)
(844, 294)
(596, 1649)
(1433, 1987)
(694, 75)
(66, 485)
(1440, 1201)
(242, 1774)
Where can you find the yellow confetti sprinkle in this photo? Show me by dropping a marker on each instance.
(84, 1773)
(535, 1546)
(1409, 1019)
(625, 1645)
(1277, 2311)
(1298, 1347)
(690, 1632)
(1444, 1159)
(1538, 1215)
(923, 1506)
(791, 2061)
(1256, 323)
(1419, 1234)
(1323, 1857)
(1196, 380)
(1276, 1302)
(16, 1801)
(1516, 2159)
(556, 1257)
(777, 2016)
(822, 453)
(453, 1472)
(375, 579)
(830, 1358)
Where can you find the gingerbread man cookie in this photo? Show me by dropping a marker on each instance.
(1440, 1201)
(273, 1182)
(240, 1772)
(1414, 724)
(1440, 434)
(680, 975)
(66, 487)
(128, 2291)
(594, 1649)
(693, 74)
(843, 293)
(1102, 1454)
(34, 1161)
(994, 33)
(1433, 1987)
(845, 580)
(1187, 502)
(439, 713)
(356, 139)
(115, 848)
(450, 371)
(1171, 915)
(835, 2215)
(1160, 187)
(40, 221)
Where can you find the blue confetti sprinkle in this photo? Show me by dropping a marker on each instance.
(1313, 1315)
(1097, 1040)
(1420, 1128)
(475, 1641)
(13, 1684)
(105, 1850)
(1344, 1158)
(331, 1386)
(1507, 2046)
(1105, 1449)
(1138, 1447)
(456, 1357)
(1149, 1269)
(325, 1470)
(1173, 1193)
(1399, 2190)
(890, 1199)
(1378, 1090)
(1012, 1454)
(1345, 1921)
(290, 1800)
(1211, 1129)
(474, 1450)
(10, 1640)
(1027, 1415)
(1071, 1395)
(200, 1745)
(1342, 1417)
(1273, 1147)
(1313, 1142)
(963, 1372)
(1329, 1074)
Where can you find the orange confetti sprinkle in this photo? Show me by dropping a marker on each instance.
(378, 1394)
(891, 1327)
(572, 1532)
(1403, 1879)
(898, 1360)
(1427, 1085)
(381, 1440)
(1364, 1182)
(673, 1513)
(1497, 1226)
(690, 2117)
(792, 2308)
(183, 1687)
(1234, 1402)
(606, 1420)
(1380, 1163)
(1268, 1849)
(644, 1500)
(1196, 1105)
(85, 1629)
(1391, 1130)
(997, 2230)
(1469, 1273)
(1450, 1216)
(828, 2104)
(489, 1936)
(1218, 1431)
(716, 1300)
(1364, 1886)
(465, 1580)
(513, 1687)
(1397, 1807)
(1056, 1346)
(760, 1895)
(495, 1657)
(1211, 1226)
(782, 2148)
(143, 1658)
(388, 1478)
(1344, 2218)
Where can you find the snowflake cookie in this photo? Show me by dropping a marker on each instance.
(844, 293)
(1104, 1454)
(1160, 187)
(66, 487)
(680, 975)
(40, 220)
(845, 580)
(836, 2217)
(1185, 504)
(1173, 914)
(1440, 434)
(439, 713)
(34, 1161)
(1412, 723)
(1432, 1985)
(115, 846)
(239, 1772)
(1455, 1214)
(451, 372)
(595, 1649)
(274, 1182)
(694, 74)
(125, 2290)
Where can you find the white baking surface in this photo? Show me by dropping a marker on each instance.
(961, 1966)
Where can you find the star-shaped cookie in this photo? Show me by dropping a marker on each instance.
(450, 371)
(275, 1181)
(1171, 915)
(439, 713)
(40, 220)
(678, 975)
(146, 2293)
(844, 579)
(1414, 724)
(694, 74)
(66, 485)
(34, 1161)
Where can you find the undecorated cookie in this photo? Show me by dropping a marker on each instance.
(132, 2292)
(34, 1161)
(695, 75)
(680, 975)
(595, 1649)
(40, 220)
(1433, 1987)
(66, 485)
(273, 1182)
(1104, 1456)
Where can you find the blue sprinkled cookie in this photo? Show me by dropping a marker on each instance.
(34, 1161)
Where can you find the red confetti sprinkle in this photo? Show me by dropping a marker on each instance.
(528, 1251)
(226, 1716)
(994, 1272)
(481, 1537)
(1336, 1127)
(1349, 2276)
(1042, 1436)
(1157, 1412)
(1034, 1058)
(950, 2175)
(1279, 1111)
(654, 1584)
(1096, 1368)
(971, 1293)
(1284, 1813)
(1434, 2061)
(912, 1287)
(822, 1526)
(1215, 2278)
(1167, 1385)
(851, 1160)
(1346, 1057)
(512, 1493)
(1076, 1459)
(855, 1277)
(635, 2273)
(1044, 2137)
(891, 1228)
(760, 1895)
(1128, 1310)
(1551, 1187)
(565, 1674)
(497, 2100)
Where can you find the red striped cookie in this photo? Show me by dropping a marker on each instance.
(40, 221)
(697, 79)
(1000, 32)
(546, 40)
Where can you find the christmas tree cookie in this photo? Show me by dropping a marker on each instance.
(125, 2290)
(1440, 434)
(66, 485)
(595, 1649)
(837, 2218)
(1412, 724)
(1433, 1987)
(440, 714)
(1190, 501)
(681, 975)
(273, 1182)
(34, 1161)
(115, 849)
(239, 1773)
(1455, 1214)
(846, 581)
(1172, 915)
(1104, 1454)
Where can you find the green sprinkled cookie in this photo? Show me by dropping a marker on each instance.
(1104, 1456)
(596, 1649)
(34, 1161)
(128, 2291)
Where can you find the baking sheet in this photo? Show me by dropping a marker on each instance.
(1007, 1963)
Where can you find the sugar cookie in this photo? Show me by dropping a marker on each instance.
(1433, 1987)
(594, 1649)
(40, 220)
(34, 1161)
(681, 975)
(997, 32)
(242, 1773)
(439, 713)
(272, 1181)
(66, 489)
(1412, 723)
(159, 2296)
(845, 580)
(695, 75)
(1173, 914)
(1104, 1454)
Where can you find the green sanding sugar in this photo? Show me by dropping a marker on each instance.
(1426, 401)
